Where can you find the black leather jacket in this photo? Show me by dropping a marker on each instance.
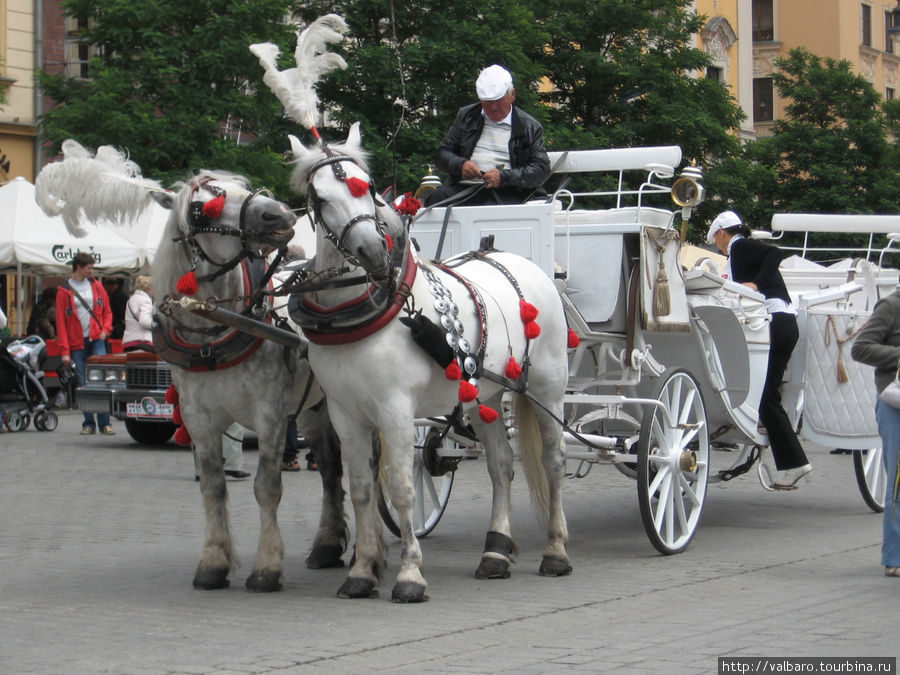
(529, 164)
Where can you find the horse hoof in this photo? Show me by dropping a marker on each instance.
(211, 579)
(554, 567)
(264, 581)
(354, 587)
(492, 568)
(326, 556)
(408, 591)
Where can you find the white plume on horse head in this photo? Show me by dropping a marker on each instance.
(296, 87)
(106, 186)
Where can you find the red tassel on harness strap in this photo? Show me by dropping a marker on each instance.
(176, 416)
(467, 391)
(513, 369)
(487, 415)
(187, 284)
(214, 207)
(182, 437)
(527, 311)
(453, 371)
(390, 242)
(357, 186)
(573, 340)
(532, 330)
(172, 395)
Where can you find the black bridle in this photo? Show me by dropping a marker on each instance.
(314, 205)
(200, 223)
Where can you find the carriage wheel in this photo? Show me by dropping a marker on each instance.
(432, 482)
(871, 477)
(673, 463)
(14, 421)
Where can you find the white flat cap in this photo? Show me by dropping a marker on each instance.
(493, 83)
(723, 221)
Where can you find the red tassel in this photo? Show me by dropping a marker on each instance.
(572, 340)
(214, 207)
(527, 311)
(408, 206)
(453, 371)
(187, 284)
(467, 391)
(182, 437)
(487, 415)
(513, 369)
(532, 330)
(172, 395)
(357, 186)
(176, 416)
(390, 241)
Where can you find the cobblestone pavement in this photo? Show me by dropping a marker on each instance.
(100, 538)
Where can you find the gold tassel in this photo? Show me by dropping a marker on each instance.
(661, 306)
(841, 370)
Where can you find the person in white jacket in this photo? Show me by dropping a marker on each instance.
(139, 317)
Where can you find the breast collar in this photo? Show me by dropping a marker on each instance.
(214, 353)
(362, 316)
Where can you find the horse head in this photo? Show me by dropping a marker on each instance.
(343, 201)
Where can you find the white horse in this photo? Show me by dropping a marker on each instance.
(212, 247)
(379, 379)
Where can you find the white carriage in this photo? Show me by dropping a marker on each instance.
(672, 357)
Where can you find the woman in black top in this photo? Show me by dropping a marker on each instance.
(755, 265)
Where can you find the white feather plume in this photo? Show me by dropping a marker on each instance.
(296, 87)
(89, 187)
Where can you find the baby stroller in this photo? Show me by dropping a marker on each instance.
(22, 393)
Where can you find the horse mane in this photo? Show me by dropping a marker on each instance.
(171, 261)
(302, 165)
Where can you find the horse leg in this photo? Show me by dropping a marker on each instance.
(499, 548)
(362, 466)
(410, 585)
(555, 562)
(268, 569)
(218, 555)
(333, 534)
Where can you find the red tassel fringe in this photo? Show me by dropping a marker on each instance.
(573, 340)
(453, 371)
(467, 391)
(390, 242)
(187, 284)
(527, 311)
(214, 207)
(513, 369)
(357, 186)
(487, 415)
(176, 416)
(182, 437)
(409, 206)
(532, 330)
(172, 395)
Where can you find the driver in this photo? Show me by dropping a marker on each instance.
(495, 145)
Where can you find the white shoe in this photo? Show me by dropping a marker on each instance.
(788, 479)
(892, 571)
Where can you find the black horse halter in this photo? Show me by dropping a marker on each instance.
(315, 204)
(201, 223)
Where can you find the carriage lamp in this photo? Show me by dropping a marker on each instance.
(894, 30)
(687, 192)
(429, 183)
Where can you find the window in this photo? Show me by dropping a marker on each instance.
(888, 40)
(763, 21)
(763, 100)
(867, 25)
(713, 73)
(78, 52)
(889, 94)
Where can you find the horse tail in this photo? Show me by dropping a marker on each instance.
(530, 451)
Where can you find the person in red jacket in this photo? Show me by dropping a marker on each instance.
(83, 323)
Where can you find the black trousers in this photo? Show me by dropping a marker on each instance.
(786, 448)
(484, 197)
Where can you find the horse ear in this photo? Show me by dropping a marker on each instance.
(164, 198)
(297, 148)
(354, 137)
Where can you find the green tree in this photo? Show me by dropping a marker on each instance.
(176, 85)
(830, 154)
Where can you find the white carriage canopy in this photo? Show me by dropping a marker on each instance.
(32, 243)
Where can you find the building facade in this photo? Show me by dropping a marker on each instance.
(744, 37)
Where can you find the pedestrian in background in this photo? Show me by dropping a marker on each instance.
(139, 317)
(878, 345)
